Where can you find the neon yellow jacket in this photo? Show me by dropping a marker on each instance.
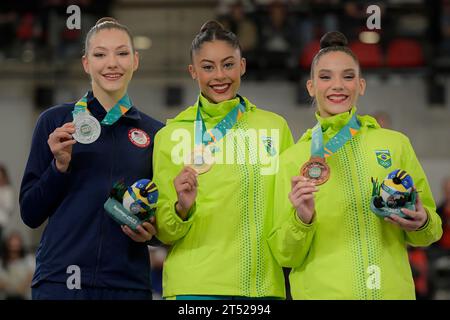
(347, 252)
(221, 249)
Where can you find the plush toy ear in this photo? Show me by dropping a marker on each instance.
(378, 202)
(401, 202)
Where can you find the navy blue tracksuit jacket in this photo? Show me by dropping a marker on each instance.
(79, 231)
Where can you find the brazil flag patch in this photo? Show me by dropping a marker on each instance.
(383, 158)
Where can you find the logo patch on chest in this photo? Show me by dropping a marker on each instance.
(384, 158)
(268, 145)
(139, 138)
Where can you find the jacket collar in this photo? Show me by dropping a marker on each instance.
(211, 114)
(212, 110)
(332, 125)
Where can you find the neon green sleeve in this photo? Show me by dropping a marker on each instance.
(286, 138)
(432, 230)
(170, 227)
(290, 239)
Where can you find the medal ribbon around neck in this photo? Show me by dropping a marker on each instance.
(201, 159)
(114, 114)
(316, 168)
(335, 143)
(225, 124)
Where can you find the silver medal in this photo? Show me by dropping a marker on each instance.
(87, 128)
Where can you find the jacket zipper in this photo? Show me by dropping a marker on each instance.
(99, 252)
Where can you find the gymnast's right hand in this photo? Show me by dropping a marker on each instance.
(60, 142)
(302, 198)
(186, 187)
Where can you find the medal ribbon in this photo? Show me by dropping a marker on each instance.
(335, 143)
(225, 124)
(114, 114)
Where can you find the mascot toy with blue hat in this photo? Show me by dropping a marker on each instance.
(393, 194)
(132, 205)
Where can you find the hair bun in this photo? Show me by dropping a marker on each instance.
(211, 25)
(333, 39)
(106, 19)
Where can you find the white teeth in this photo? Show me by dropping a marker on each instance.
(337, 98)
(112, 76)
(220, 87)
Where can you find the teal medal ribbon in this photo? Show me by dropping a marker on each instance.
(87, 127)
(201, 159)
(316, 168)
(114, 114)
(220, 130)
(335, 143)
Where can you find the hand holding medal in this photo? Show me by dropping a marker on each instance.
(60, 142)
(186, 188)
(302, 197)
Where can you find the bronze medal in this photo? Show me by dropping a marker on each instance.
(201, 159)
(317, 170)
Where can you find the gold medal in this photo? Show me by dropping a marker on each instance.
(201, 159)
(317, 170)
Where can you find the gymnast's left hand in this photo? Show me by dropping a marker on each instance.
(416, 220)
(145, 232)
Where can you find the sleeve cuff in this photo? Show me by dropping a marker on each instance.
(189, 215)
(57, 172)
(54, 179)
(298, 223)
(427, 223)
(154, 242)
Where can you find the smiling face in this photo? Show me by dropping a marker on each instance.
(336, 83)
(110, 61)
(218, 68)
